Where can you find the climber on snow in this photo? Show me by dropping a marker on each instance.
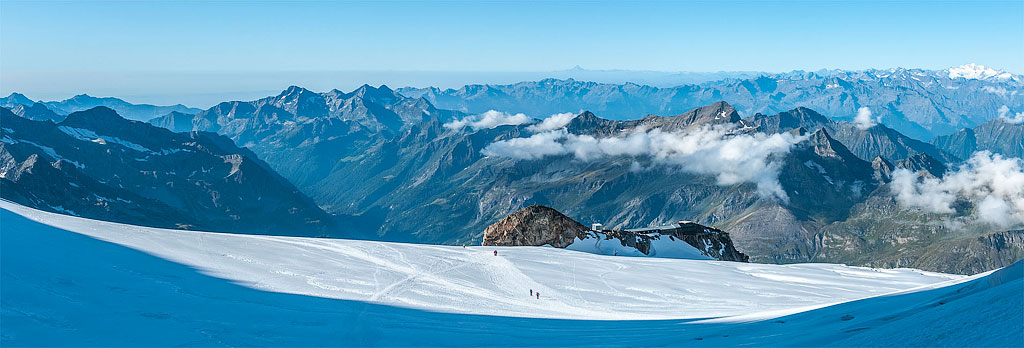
(495, 253)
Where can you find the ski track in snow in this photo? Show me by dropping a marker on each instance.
(297, 291)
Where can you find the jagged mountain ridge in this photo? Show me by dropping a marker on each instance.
(96, 164)
(303, 134)
(919, 103)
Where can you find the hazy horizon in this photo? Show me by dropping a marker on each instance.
(201, 89)
(178, 52)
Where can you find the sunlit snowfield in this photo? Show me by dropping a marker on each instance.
(73, 281)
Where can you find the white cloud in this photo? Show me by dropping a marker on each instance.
(731, 158)
(1000, 91)
(489, 119)
(864, 119)
(1006, 115)
(534, 147)
(994, 184)
(553, 122)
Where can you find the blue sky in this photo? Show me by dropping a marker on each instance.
(110, 46)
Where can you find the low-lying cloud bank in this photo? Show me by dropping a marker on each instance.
(731, 158)
(994, 184)
(489, 119)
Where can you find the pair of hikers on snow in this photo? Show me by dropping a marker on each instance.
(531, 293)
(531, 290)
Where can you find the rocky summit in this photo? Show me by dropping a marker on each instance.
(534, 225)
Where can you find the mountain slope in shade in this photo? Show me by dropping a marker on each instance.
(257, 291)
(996, 136)
(96, 164)
(36, 111)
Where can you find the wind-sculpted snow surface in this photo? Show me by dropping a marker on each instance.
(72, 281)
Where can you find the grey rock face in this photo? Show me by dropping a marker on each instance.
(535, 225)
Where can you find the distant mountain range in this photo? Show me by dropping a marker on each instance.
(919, 103)
(96, 164)
(56, 110)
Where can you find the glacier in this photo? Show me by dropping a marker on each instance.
(69, 281)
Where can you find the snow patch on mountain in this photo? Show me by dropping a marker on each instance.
(974, 71)
(91, 136)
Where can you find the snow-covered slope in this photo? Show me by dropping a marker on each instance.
(73, 281)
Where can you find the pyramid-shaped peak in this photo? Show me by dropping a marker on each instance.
(18, 98)
(295, 90)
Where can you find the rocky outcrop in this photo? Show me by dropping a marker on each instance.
(538, 225)
(535, 225)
